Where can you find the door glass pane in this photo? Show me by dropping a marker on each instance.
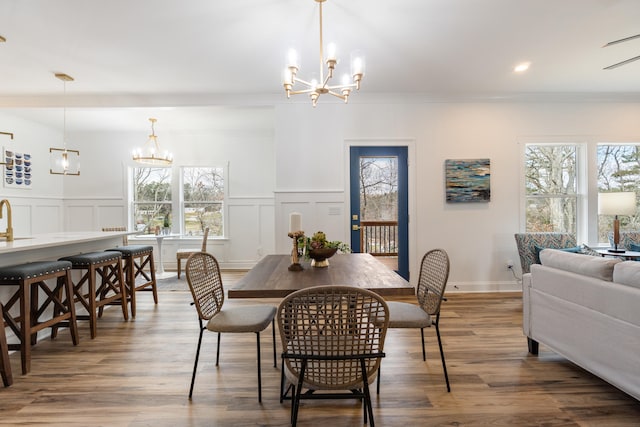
(379, 206)
(378, 188)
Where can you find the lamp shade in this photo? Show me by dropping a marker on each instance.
(618, 203)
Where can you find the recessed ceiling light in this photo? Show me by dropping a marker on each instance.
(522, 67)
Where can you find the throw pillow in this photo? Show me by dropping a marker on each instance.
(633, 247)
(537, 249)
(589, 251)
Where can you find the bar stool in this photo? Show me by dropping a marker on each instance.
(5, 365)
(30, 278)
(138, 264)
(112, 288)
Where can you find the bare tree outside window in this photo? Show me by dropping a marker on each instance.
(551, 188)
(203, 194)
(379, 205)
(618, 170)
(151, 198)
(378, 188)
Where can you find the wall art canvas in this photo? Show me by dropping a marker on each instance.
(468, 180)
(17, 169)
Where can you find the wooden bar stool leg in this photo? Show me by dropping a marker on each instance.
(71, 307)
(131, 282)
(25, 328)
(152, 269)
(5, 363)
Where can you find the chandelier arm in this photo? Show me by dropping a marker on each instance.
(347, 86)
(304, 82)
(298, 92)
(324, 83)
(337, 95)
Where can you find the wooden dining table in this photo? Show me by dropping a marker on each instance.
(271, 277)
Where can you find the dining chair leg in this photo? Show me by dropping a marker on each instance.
(444, 365)
(195, 364)
(218, 349)
(273, 331)
(368, 407)
(295, 399)
(259, 369)
(424, 352)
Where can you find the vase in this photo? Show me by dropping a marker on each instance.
(320, 257)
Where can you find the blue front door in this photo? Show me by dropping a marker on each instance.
(379, 195)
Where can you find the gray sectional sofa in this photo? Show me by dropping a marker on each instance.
(586, 309)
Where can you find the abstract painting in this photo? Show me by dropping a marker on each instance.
(468, 180)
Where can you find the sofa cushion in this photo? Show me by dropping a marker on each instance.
(573, 249)
(599, 268)
(627, 273)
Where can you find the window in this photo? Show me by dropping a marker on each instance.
(618, 170)
(551, 188)
(554, 188)
(151, 198)
(197, 202)
(203, 195)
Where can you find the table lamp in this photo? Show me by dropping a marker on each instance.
(618, 203)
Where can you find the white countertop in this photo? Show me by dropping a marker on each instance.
(48, 240)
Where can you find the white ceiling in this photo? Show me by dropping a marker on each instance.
(175, 53)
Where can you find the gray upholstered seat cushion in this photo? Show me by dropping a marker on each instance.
(406, 315)
(253, 318)
(92, 258)
(134, 250)
(18, 273)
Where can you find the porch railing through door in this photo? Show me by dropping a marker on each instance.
(379, 238)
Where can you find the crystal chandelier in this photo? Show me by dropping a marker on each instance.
(317, 87)
(150, 153)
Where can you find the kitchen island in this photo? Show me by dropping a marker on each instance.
(52, 246)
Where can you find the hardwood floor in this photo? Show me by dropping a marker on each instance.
(137, 373)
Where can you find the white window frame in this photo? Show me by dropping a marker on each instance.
(225, 204)
(177, 203)
(587, 182)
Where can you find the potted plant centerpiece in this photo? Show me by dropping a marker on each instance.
(319, 249)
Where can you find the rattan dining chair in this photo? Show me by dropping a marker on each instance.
(434, 274)
(333, 341)
(185, 253)
(205, 283)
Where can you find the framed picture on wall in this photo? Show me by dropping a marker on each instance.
(468, 180)
(17, 169)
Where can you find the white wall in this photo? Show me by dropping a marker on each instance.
(38, 208)
(477, 236)
(299, 163)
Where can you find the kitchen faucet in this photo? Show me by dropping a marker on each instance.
(8, 235)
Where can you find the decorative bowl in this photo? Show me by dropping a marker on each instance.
(320, 257)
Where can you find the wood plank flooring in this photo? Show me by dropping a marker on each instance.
(137, 373)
